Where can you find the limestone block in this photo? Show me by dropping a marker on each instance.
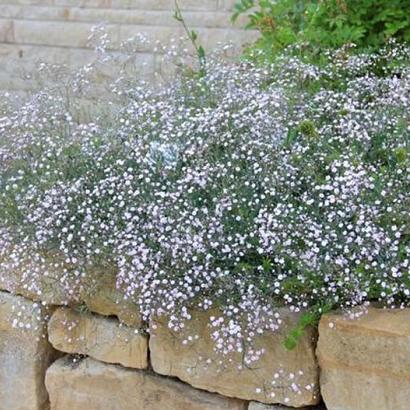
(101, 296)
(226, 4)
(92, 385)
(365, 363)
(25, 354)
(17, 11)
(280, 376)
(57, 33)
(25, 59)
(101, 338)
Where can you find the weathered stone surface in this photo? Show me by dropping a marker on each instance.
(91, 385)
(25, 354)
(102, 338)
(104, 298)
(281, 376)
(365, 363)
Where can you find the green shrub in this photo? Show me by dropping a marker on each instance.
(320, 25)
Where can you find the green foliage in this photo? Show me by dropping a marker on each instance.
(319, 25)
(309, 318)
(307, 128)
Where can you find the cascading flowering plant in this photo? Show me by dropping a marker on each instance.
(244, 188)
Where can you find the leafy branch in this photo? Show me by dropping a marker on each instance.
(193, 37)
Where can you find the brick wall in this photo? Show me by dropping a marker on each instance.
(58, 30)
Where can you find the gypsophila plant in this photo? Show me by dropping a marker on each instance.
(246, 189)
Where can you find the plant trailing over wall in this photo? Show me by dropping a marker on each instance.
(247, 188)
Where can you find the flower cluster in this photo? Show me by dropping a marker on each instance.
(244, 188)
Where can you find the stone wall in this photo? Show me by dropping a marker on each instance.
(60, 357)
(57, 31)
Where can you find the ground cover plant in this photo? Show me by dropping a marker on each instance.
(239, 186)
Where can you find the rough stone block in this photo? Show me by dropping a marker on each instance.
(99, 337)
(25, 354)
(280, 376)
(91, 385)
(365, 363)
(102, 296)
